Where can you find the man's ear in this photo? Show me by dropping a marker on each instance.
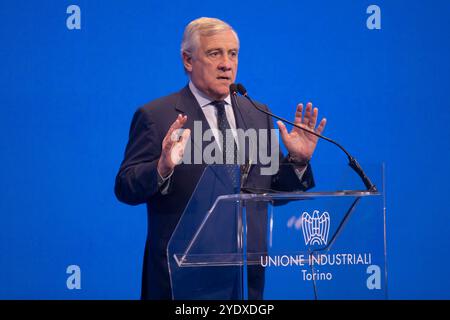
(187, 62)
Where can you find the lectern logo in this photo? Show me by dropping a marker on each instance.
(315, 228)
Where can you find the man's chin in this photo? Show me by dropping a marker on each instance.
(222, 91)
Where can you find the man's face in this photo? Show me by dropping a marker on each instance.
(213, 66)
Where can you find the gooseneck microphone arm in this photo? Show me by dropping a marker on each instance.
(352, 161)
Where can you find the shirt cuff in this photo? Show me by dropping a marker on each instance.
(301, 172)
(164, 183)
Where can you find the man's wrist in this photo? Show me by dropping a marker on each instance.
(163, 171)
(298, 163)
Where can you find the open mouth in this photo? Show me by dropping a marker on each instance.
(223, 78)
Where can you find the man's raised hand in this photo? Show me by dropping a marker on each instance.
(173, 147)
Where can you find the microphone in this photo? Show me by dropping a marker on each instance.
(351, 160)
(233, 93)
(245, 168)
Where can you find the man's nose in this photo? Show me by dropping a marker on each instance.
(225, 64)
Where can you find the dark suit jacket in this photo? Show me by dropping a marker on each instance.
(137, 180)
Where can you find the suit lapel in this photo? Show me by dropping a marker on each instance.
(244, 121)
(242, 114)
(188, 105)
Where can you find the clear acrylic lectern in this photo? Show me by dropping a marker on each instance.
(233, 243)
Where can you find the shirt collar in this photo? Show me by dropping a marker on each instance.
(202, 99)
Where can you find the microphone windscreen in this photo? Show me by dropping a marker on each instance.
(233, 88)
(241, 89)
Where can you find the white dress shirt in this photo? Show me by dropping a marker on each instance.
(210, 111)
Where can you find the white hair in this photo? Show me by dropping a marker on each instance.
(202, 27)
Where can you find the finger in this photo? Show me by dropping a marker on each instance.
(299, 114)
(315, 113)
(283, 130)
(183, 120)
(173, 126)
(169, 139)
(177, 124)
(167, 144)
(176, 154)
(185, 135)
(307, 117)
(321, 126)
(179, 146)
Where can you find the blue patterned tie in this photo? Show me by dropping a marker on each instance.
(223, 125)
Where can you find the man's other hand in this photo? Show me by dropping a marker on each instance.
(299, 143)
(173, 147)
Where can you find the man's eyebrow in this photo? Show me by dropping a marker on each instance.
(213, 49)
(220, 49)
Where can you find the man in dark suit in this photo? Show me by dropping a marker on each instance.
(150, 172)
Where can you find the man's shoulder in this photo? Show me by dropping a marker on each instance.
(162, 104)
(245, 104)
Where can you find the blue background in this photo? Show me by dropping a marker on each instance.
(67, 98)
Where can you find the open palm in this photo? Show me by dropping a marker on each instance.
(299, 143)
